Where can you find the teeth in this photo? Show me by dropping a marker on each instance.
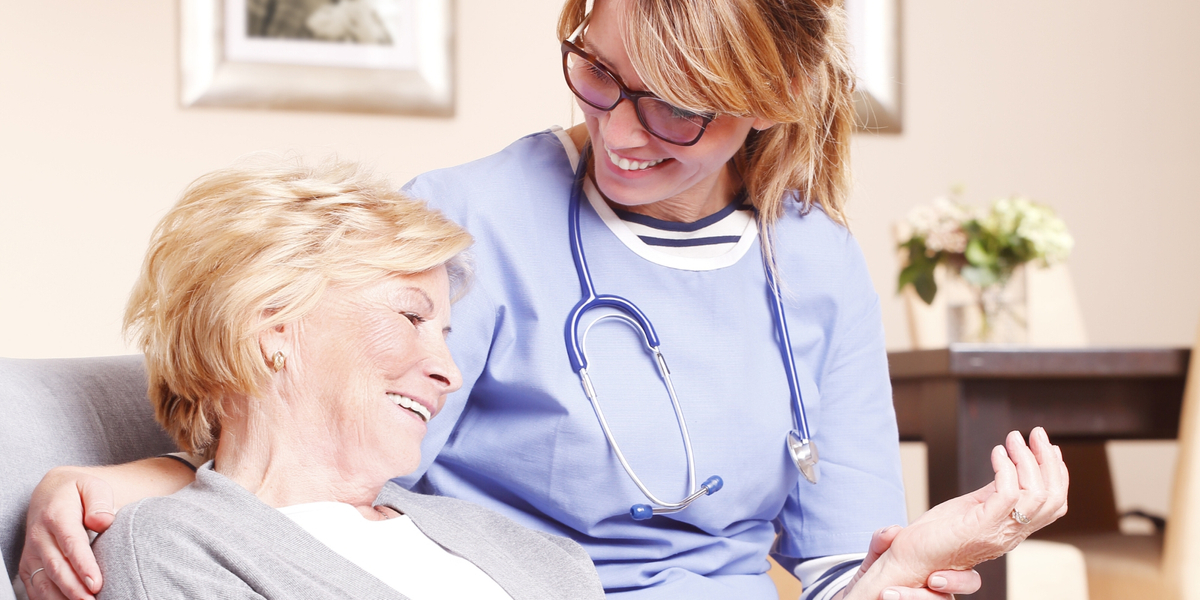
(410, 404)
(631, 165)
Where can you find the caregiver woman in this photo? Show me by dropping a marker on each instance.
(717, 132)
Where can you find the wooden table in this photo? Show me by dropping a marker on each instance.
(963, 400)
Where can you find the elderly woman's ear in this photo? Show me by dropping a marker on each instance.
(275, 344)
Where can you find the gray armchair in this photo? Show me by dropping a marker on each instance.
(77, 411)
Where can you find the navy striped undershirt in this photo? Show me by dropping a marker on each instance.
(711, 236)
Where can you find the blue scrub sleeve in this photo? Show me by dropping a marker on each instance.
(860, 489)
(473, 322)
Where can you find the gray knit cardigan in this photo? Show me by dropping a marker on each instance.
(214, 539)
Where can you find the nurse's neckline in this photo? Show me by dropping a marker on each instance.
(662, 210)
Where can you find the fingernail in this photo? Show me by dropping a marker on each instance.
(91, 584)
(937, 582)
(891, 595)
(104, 511)
(1058, 452)
(890, 528)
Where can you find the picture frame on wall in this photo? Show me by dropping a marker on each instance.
(376, 56)
(873, 27)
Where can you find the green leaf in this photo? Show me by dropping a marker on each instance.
(926, 286)
(977, 254)
(908, 275)
(919, 270)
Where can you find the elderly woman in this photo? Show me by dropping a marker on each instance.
(294, 321)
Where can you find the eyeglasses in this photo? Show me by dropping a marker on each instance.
(603, 90)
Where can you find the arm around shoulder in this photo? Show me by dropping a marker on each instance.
(68, 499)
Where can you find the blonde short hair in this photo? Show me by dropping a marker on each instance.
(253, 246)
(781, 60)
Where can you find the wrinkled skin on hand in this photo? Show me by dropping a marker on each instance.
(967, 530)
(941, 546)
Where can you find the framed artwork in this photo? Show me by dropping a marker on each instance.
(874, 31)
(382, 56)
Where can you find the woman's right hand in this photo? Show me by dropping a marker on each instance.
(57, 561)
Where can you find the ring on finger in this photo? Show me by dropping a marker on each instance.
(1020, 517)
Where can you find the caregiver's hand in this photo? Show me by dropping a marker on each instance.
(57, 560)
(941, 584)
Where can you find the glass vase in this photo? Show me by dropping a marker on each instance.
(995, 314)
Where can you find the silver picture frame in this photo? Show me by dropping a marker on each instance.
(221, 66)
(874, 32)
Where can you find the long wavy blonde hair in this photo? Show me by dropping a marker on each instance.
(781, 60)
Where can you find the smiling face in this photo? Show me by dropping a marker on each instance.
(370, 366)
(638, 170)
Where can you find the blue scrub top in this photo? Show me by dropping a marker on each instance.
(520, 437)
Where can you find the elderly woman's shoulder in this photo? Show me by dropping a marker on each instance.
(214, 539)
(211, 508)
(146, 522)
(146, 540)
(154, 524)
(470, 529)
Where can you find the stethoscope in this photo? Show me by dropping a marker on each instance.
(800, 446)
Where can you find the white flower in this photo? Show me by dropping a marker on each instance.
(1006, 215)
(940, 225)
(921, 219)
(1046, 233)
(1019, 218)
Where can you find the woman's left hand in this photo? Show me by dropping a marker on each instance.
(1028, 493)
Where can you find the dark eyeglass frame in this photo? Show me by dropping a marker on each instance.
(569, 47)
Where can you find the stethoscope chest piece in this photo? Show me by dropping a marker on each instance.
(804, 454)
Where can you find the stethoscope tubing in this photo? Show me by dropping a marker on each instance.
(799, 419)
(633, 316)
(591, 299)
(590, 391)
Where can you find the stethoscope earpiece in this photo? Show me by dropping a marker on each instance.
(712, 485)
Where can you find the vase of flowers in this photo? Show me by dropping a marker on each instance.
(983, 248)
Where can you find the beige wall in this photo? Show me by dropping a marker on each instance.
(1086, 105)
(1089, 105)
(94, 146)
